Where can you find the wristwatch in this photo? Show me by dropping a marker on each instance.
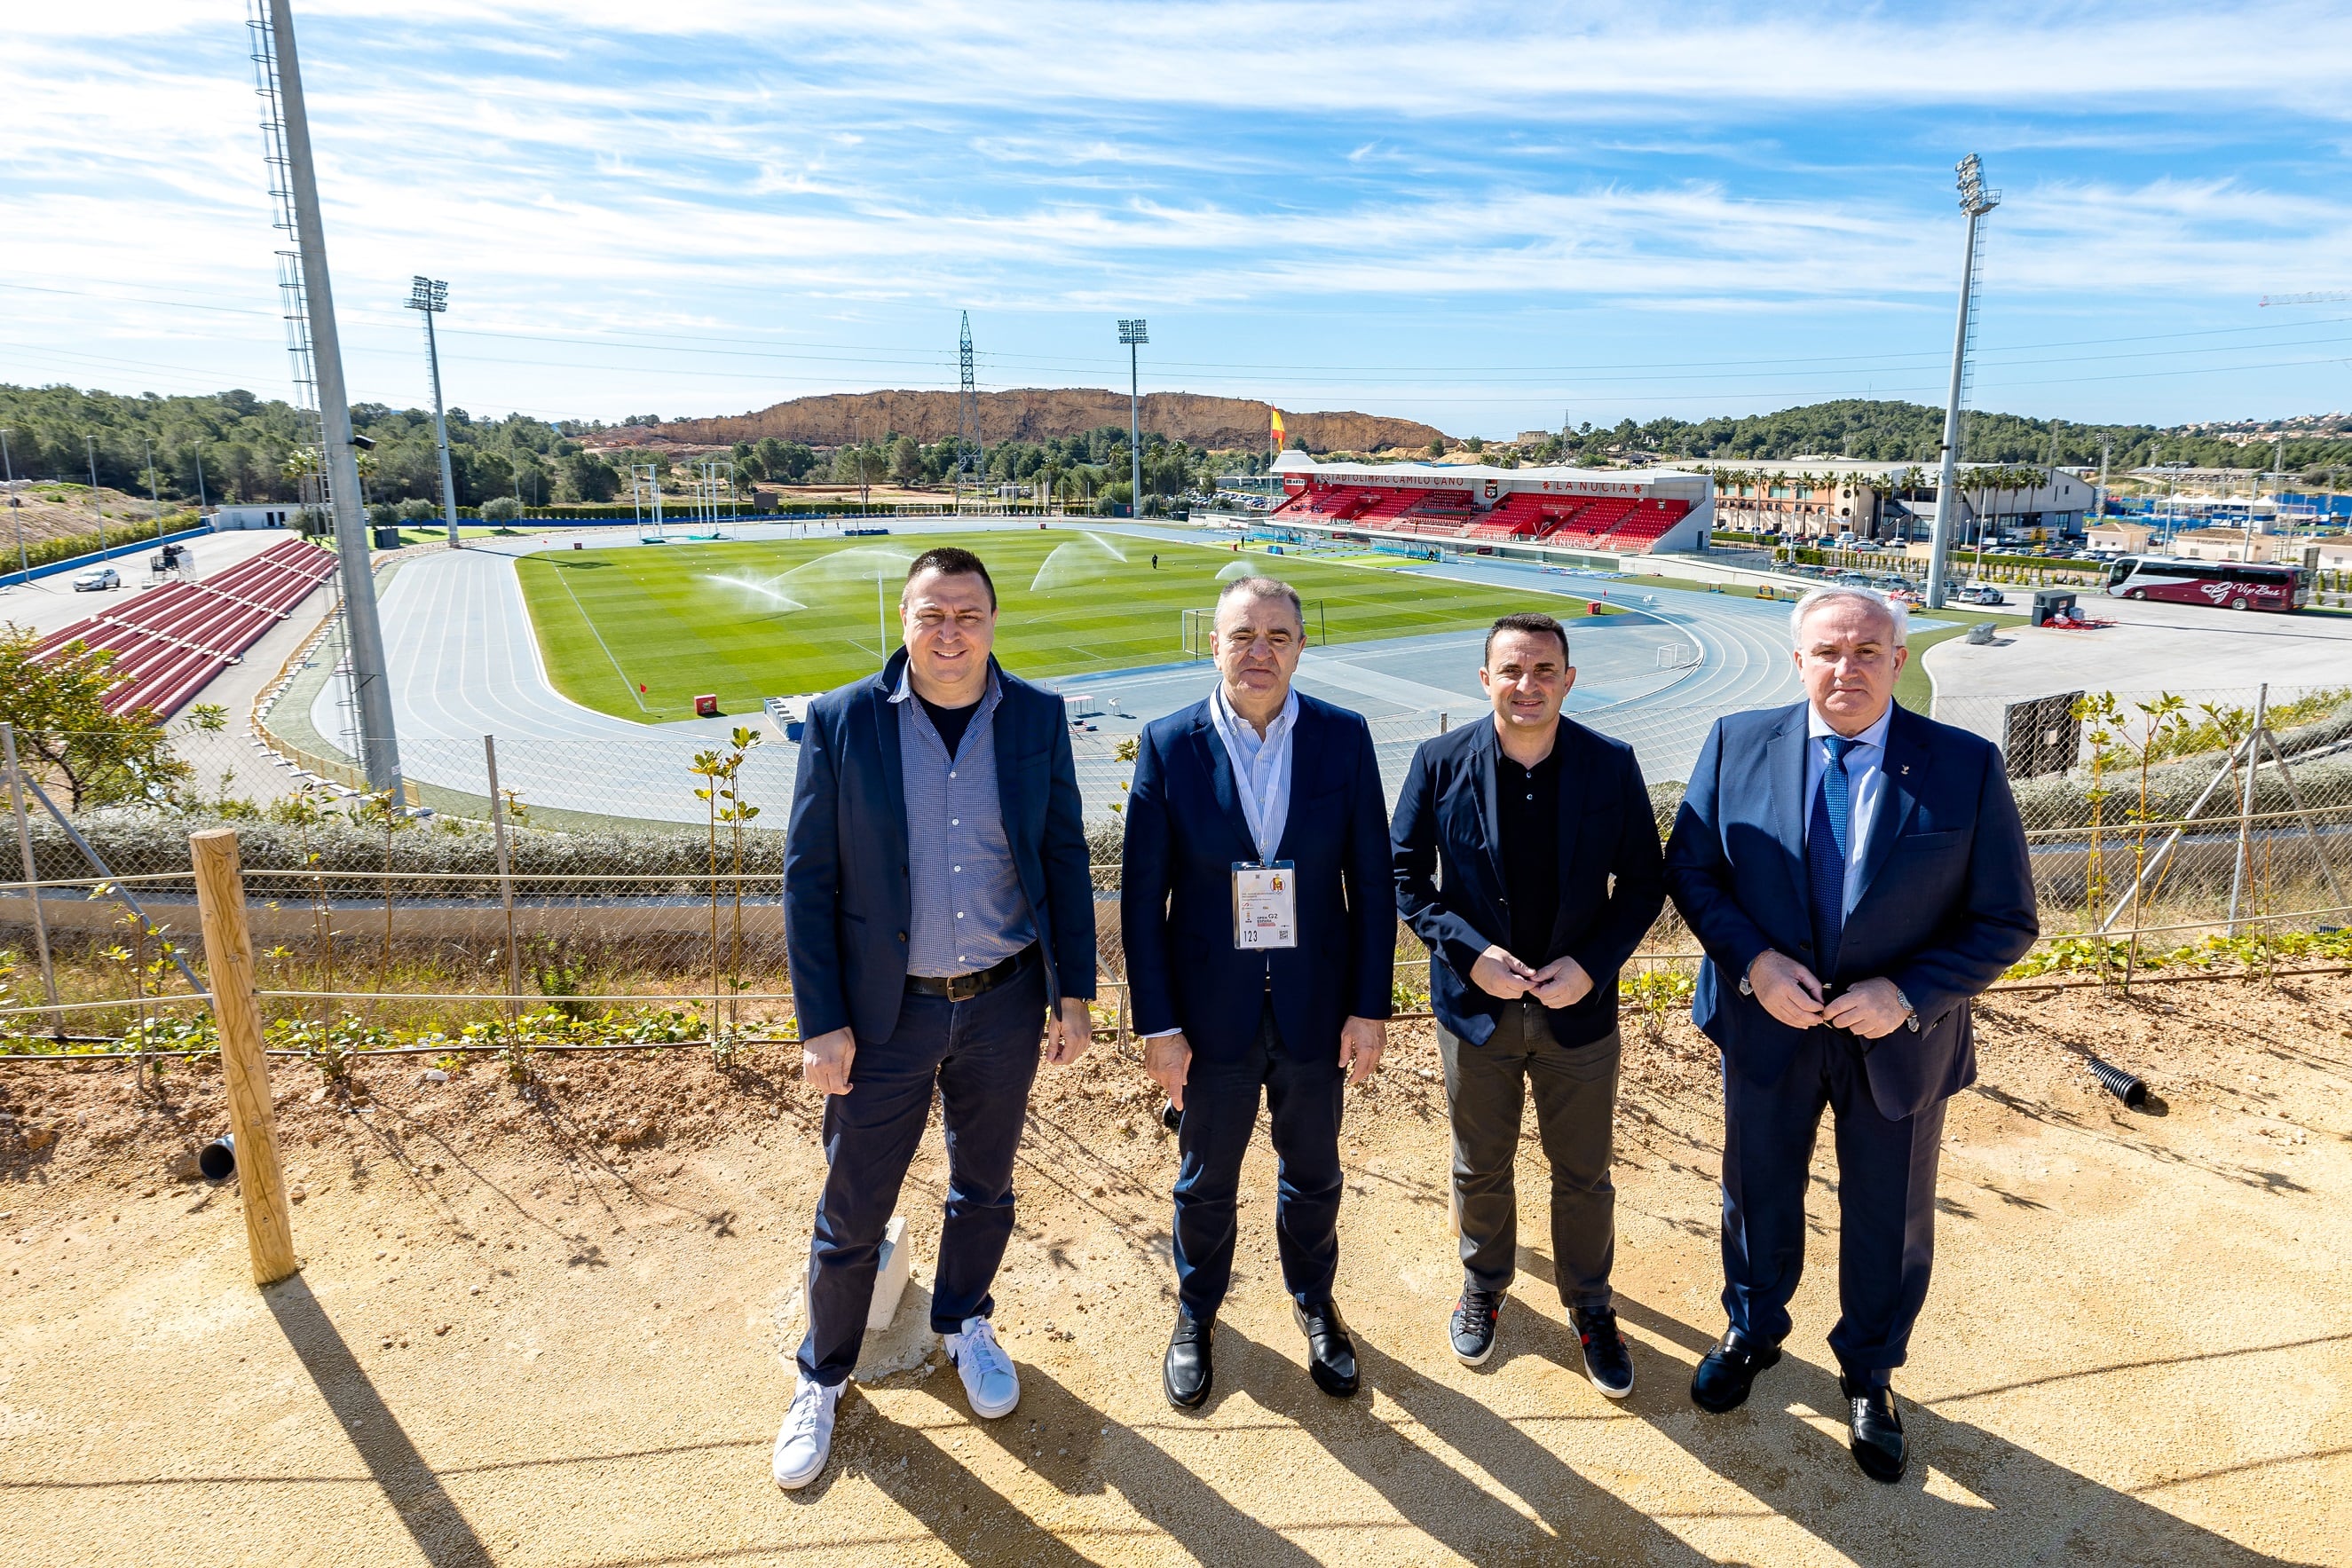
(1910, 1013)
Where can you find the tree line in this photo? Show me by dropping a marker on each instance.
(234, 446)
(1891, 431)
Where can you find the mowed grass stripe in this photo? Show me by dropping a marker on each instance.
(670, 624)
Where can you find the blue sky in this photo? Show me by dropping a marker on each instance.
(1487, 218)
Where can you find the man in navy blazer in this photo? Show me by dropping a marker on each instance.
(1263, 790)
(1856, 873)
(1550, 878)
(937, 895)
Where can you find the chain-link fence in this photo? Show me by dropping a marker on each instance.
(594, 878)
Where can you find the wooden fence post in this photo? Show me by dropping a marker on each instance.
(228, 965)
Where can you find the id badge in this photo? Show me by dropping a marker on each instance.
(1265, 904)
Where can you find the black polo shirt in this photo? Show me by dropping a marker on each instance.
(1526, 809)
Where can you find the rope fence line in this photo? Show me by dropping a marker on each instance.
(1102, 984)
(457, 1048)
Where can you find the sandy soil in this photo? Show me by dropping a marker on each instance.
(556, 1329)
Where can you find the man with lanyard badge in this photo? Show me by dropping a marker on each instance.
(1260, 935)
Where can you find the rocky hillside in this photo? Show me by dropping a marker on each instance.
(1033, 413)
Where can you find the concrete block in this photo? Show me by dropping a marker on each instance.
(890, 1277)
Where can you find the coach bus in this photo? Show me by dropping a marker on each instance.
(2234, 584)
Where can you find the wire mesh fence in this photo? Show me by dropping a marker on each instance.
(594, 881)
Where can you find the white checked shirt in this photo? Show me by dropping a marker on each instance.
(1865, 780)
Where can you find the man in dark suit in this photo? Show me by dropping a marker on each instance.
(936, 894)
(1857, 874)
(1550, 877)
(1260, 939)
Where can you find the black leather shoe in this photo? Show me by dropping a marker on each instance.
(1877, 1430)
(1606, 1360)
(1725, 1373)
(1186, 1372)
(1330, 1353)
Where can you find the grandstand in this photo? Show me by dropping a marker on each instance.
(1563, 508)
(170, 640)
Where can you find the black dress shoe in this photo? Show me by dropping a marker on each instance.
(1725, 1373)
(1877, 1430)
(1330, 1353)
(1186, 1372)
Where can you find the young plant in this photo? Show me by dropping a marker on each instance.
(718, 796)
(384, 810)
(736, 814)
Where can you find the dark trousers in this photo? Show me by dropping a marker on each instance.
(1887, 1203)
(982, 1056)
(1220, 1104)
(1576, 1104)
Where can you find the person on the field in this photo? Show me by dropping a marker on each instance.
(1260, 935)
(1857, 874)
(937, 899)
(1527, 858)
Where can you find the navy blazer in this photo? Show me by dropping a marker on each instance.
(848, 899)
(1184, 832)
(1446, 818)
(1947, 901)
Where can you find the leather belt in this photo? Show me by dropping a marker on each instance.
(963, 988)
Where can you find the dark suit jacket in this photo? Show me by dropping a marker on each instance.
(847, 901)
(1947, 901)
(1184, 832)
(1445, 817)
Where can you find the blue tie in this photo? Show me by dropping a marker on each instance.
(1826, 849)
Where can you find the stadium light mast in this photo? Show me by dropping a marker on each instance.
(967, 414)
(15, 507)
(430, 296)
(1134, 334)
(1976, 202)
(318, 353)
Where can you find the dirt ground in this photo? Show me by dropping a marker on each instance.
(557, 1328)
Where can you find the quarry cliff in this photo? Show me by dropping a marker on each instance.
(1034, 414)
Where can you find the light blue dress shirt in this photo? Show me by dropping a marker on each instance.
(1866, 781)
(1261, 766)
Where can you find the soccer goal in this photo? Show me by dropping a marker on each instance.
(1201, 626)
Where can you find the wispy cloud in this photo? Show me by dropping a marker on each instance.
(1370, 184)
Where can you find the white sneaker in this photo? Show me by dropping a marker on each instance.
(807, 1434)
(989, 1379)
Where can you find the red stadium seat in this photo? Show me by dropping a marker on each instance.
(169, 642)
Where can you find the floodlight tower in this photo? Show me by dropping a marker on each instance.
(1134, 334)
(430, 296)
(318, 356)
(1976, 202)
(967, 413)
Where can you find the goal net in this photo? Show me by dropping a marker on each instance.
(1201, 626)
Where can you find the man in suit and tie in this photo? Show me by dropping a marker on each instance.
(1857, 874)
(937, 895)
(1550, 876)
(1260, 939)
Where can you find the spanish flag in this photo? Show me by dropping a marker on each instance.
(1277, 429)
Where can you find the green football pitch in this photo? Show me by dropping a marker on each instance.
(745, 621)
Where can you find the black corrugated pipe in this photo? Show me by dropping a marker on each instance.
(2119, 1083)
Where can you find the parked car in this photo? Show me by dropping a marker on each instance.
(1982, 596)
(96, 578)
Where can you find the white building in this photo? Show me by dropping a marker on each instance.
(267, 515)
(1826, 496)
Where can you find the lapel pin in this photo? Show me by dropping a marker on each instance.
(1907, 768)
